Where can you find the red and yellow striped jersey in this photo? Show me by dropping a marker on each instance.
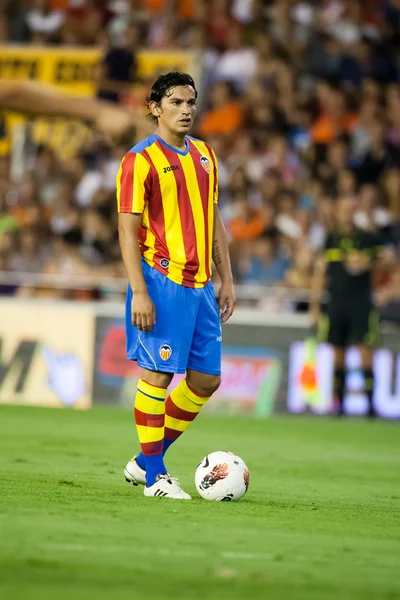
(175, 192)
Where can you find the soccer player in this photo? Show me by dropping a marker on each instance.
(35, 98)
(170, 230)
(349, 317)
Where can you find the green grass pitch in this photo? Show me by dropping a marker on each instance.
(321, 519)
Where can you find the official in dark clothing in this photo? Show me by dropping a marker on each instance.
(349, 318)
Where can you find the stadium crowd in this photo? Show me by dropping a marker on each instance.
(300, 100)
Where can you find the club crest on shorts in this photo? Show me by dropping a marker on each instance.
(205, 163)
(165, 352)
(164, 262)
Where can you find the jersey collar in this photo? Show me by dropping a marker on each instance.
(181, 152)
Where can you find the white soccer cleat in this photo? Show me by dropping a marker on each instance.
(166, 487)
(134, 474)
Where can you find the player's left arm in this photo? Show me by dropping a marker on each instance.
(222, 262)
(383, 255)
(374, 254)
(38, 99)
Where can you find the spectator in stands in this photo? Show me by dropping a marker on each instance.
(392, 21)
(224, 115)
(43, 22)
(286, 220)
(64, 214)
(65, 258)
(334, 117)
(371, 216)
(270, 186)
(300, 100)
(282, 159)
(7, 220)
(85, 21)
(27, 210)
(96, 237)
(265, 264)
(118, 69)
(90, 179)
(30, 254)
(360, 135)
(218, 23)
(247, 222)
(8, 242)
(238, 63)
(391, 191)
(378, 158)
(346, 182)
(299, 274)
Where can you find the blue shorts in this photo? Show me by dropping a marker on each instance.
(187, 334)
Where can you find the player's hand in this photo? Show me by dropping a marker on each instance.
(116, 123)
(143, 312)
(226, 301)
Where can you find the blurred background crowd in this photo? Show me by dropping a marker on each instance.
(299, 98)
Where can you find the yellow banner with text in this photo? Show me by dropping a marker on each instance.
(74, 71)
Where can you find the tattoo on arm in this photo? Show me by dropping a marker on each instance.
(216, 254)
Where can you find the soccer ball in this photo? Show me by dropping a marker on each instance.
(222, 476)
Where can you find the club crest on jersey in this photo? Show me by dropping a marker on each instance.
(205, 163)
(165, 352)
(164, 262)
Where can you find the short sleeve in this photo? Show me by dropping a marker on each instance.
(330, 250)
(328, 245)
(133, 183)
(372, 243)
(327, 242)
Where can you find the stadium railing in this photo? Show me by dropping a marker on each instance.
(250, 294)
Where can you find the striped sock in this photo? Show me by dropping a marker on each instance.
(150, 418)
(181, 408)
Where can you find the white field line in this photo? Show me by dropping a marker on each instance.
(183, 553)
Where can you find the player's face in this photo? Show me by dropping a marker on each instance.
(345, 209)
(178, 109)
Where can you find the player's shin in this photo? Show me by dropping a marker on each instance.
(339, 386)
(369, 390)
(181, 408)
(150, 420)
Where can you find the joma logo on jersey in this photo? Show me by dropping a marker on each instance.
(165, 352)
(171, 168)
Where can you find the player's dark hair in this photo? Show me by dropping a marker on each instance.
(165, 83)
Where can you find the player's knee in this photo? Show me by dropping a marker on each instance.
(214, 384)
(157, 378)
(366, 354)
(207, 385)
(338, 353)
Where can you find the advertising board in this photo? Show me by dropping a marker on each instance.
(250, 376)
(314, 392)
(44, 361)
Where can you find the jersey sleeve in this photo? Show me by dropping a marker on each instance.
(133, 183)
(373, 243)
(330, 252)
(327, 243)
(215, 163)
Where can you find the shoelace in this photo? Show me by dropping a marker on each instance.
(174, 481)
